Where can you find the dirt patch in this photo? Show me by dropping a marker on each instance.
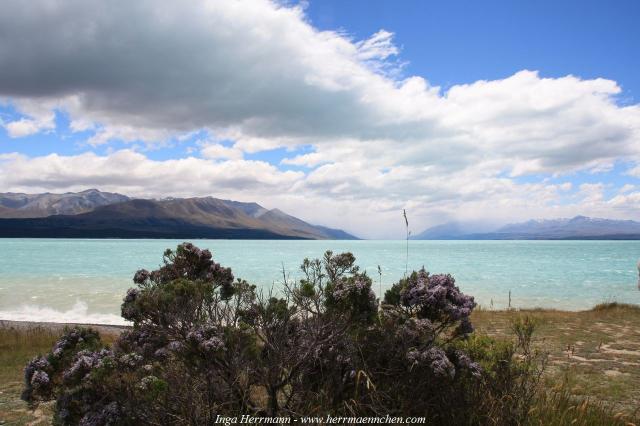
(610, 350)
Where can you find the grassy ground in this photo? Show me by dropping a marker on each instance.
(593, 355)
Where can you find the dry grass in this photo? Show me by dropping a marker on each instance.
(561, 408)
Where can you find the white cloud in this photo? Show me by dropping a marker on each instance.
(130, 172)
(635, 172)
(22, 127)
(592, 193)
(379, 47)
(214, 151)
(258, 74)
(262, 74)
(629, 202)
(38, 117)
(566, 186)
(626, 188)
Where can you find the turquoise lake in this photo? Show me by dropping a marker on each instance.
(74, 280)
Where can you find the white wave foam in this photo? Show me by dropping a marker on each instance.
(79, 313)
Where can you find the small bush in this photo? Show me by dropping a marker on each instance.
(559, 408)
(205, 344)
(614, 306)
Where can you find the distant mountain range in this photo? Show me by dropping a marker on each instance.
(449, 230)
(14, 205)
(96, 214)
(576, 228)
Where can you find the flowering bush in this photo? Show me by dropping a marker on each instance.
(42, 374)
(353, 297)
(203, 344)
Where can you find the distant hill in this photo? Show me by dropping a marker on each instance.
(579, 227)
(42, 205)
(205, 217)
(576, 228)
(450, 230)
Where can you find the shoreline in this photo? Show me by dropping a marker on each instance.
(60, 326)
(479, 310)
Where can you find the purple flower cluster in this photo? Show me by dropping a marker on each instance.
(40, 380)
(355, 294)
(132, 294)
(464, 361)
(175, 346)
(435, 359)
(130, 360)
(336, 356)
(71, 339)
(84, 362)
(348, 376)
(40, 371)
(437, 298)
(140, 277)
(147, 382)
(345, 288)
(129, 309)
(36, 364)
(142, 340)
(331, 353)
(416, 329)
(206, 340)
(37, 377)
(110, 414)
(465, 327)
(189, 262)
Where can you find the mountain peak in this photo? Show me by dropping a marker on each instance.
(47, 204)
(580, 217)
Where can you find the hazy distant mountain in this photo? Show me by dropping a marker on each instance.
(41, 205)
(578, 228)
(450, 230)
(171, 218)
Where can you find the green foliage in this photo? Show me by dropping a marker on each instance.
(392, 296)
(523, 328)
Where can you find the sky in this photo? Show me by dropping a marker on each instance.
(342, 113)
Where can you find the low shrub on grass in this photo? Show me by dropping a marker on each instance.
(205, 344)
(558, 407)
(614, 306)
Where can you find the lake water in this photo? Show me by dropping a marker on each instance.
(77, 280)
